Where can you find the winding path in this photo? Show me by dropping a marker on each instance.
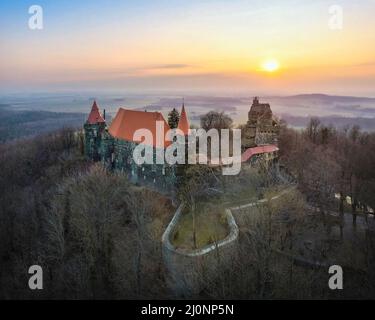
(233, 234)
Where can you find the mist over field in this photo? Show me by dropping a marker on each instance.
(56, 110)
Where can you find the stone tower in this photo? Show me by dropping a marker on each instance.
(94, 128)
(262, 127)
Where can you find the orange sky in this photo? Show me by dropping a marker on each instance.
(209, 44)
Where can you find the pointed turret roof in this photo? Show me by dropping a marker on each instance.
(95, 116)
(183, 123)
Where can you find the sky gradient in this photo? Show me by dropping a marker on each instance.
(192, 46)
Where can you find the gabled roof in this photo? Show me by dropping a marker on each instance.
(95, 116)
(183, 123)
(249, 153)
(127, 122)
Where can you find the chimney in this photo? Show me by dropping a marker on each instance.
(104, 114)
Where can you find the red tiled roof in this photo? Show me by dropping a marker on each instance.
(127, 122)
(95, 116)
(183, 123)
(249, 153)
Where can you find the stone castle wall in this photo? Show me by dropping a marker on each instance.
(117, 155)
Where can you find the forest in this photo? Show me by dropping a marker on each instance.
(19, 123)
(97, 236)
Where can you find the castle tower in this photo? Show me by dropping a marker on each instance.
(261, 128)
(260, 113)
(184, 126)
(94, 129)
(183, 123)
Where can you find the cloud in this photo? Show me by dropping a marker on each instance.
(139, 70)
(171, 66)
(362, 64)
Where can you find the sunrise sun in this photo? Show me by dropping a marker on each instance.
(270, 65)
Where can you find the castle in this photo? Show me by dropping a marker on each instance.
(113, 145)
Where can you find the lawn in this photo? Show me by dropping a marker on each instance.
(211, 226)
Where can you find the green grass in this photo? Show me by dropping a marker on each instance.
(242, 197)
(211, 226)
(211, 222)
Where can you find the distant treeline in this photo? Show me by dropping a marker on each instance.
(19, 124)
(337, 121)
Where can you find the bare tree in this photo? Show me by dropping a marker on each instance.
(216, 120)
(312, 129)
(194, 186)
